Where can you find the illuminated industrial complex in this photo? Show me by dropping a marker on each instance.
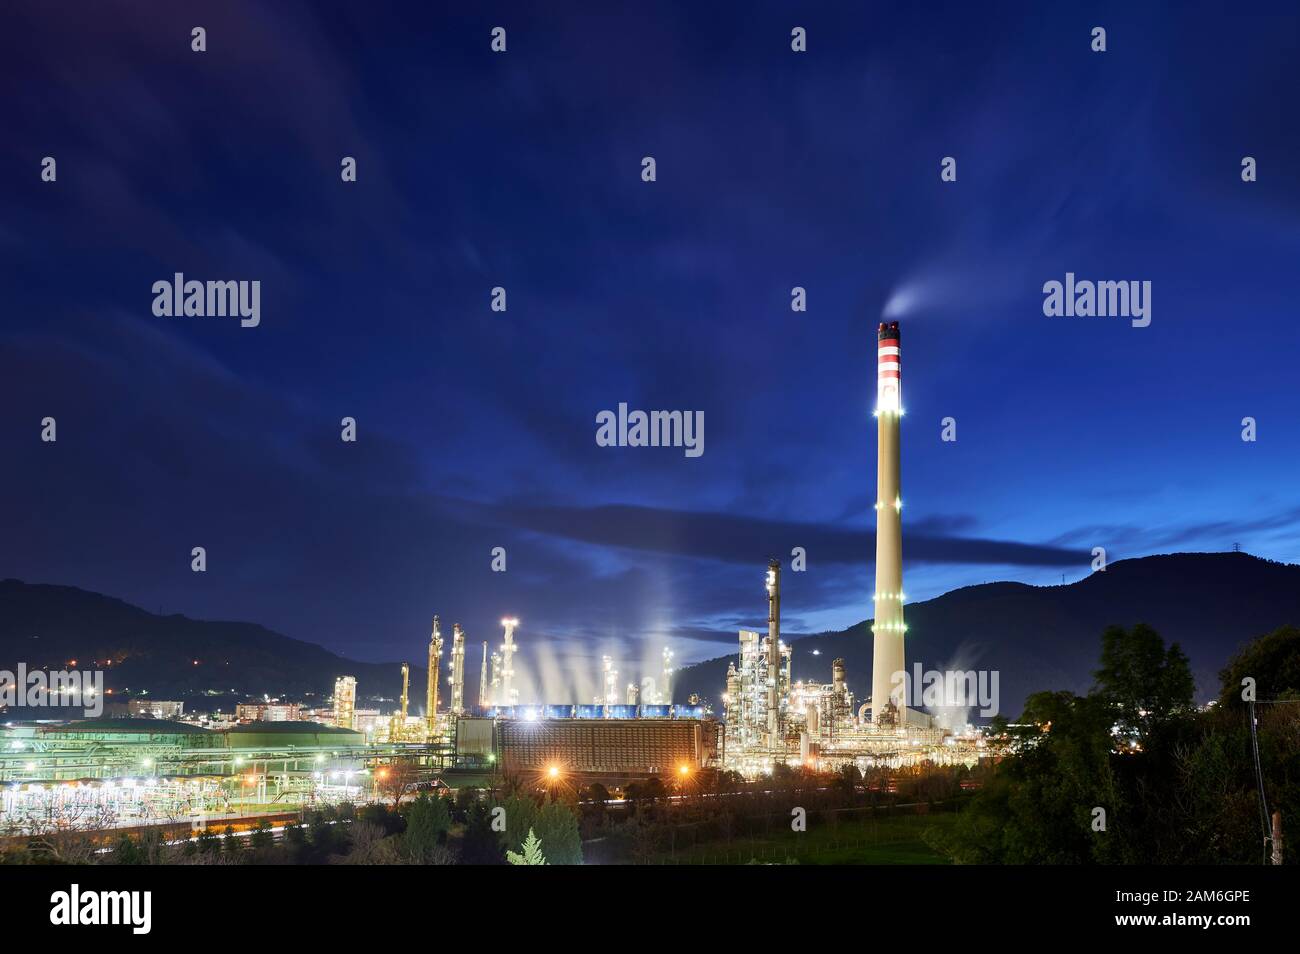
(772, 719)
(151, 770)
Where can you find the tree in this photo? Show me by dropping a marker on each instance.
(1273, 661)
(427, 823)
(207, 842)
(466, 798)
(532, 852)
(1143, 683)
(230, 841)
(1038, 807)
(557, 826)
(327, 837)
(396, 780)
(262, 836)
(847, 780)
(480, 844)
(127, 852)
(295, 837)
(381, 817)
(520, 815)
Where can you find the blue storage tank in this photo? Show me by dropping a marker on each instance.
(591, 712)
(688, 712)
(656, 712)
(620, 712)
(528, 713)
(502, 712)
(559, 712)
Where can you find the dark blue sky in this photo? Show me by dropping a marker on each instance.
(522, 170)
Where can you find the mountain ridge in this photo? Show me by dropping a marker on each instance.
(1209, 603)
(1035, 637)
(46, 624)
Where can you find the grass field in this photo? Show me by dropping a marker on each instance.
(894, 840)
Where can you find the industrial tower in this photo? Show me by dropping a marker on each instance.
(609, 680)
(509, 695)
(457, 670)
(435, 655)
(666, 688)
(773, 651)
(887, 656)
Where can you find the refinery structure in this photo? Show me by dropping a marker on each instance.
(772, 719)
(275, 755)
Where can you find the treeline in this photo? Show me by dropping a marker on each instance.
(720, 809)
(1134, 773)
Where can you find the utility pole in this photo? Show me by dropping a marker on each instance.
(1277, 838)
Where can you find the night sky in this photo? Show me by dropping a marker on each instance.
(476, 429)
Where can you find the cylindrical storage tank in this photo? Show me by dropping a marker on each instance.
(591, 712)
(620, 712)
(656, 712)
(559, 712)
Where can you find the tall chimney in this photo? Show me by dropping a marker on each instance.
(482, 680)
(773, 650)
(457, 670)
(887, 657)
(435, 655)
(406, 686)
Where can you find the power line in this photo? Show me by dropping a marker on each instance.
(1259, 778)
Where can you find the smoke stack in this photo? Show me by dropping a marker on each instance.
(509, 695)
(888, 629)
(435, 656)
(773, 649)
(457, 670)
(406, 686)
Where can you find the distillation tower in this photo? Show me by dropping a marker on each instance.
(457, 670)
(509, 694)
(431, 693)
